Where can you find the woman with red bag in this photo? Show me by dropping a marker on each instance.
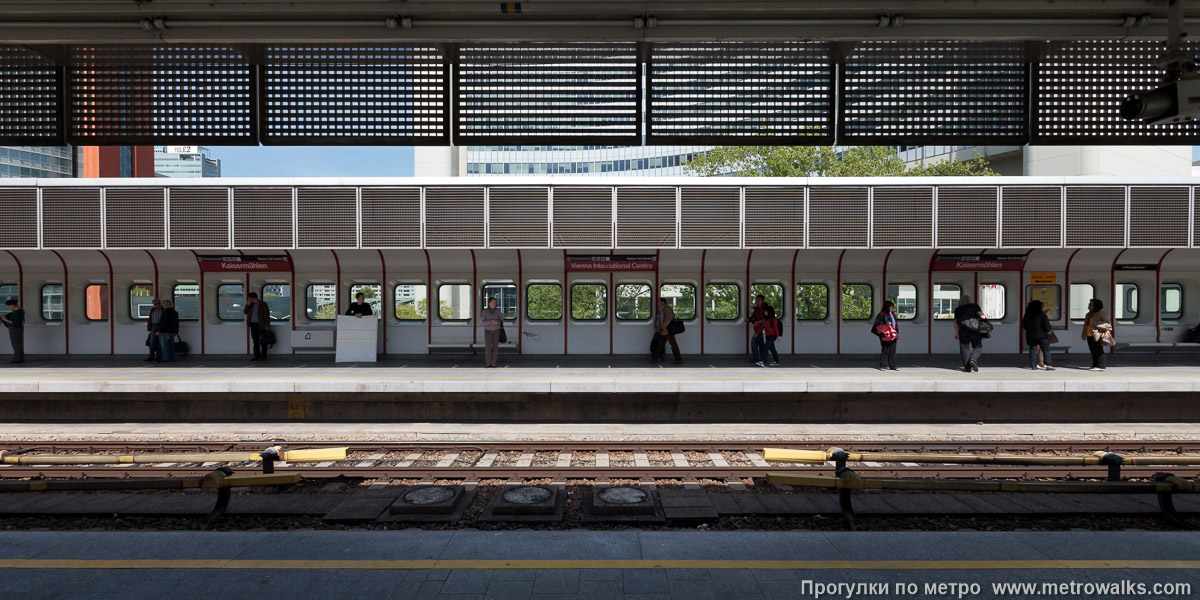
(886, 328)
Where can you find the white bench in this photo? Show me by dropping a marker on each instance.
(1157, 347)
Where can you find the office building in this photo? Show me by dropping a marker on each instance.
(185, 161)
(37, 161)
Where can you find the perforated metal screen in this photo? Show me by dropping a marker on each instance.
(966, 217)
(262, 217)
(902, 217)
(454, 217)
(1158, 216)
(837, 217)
(199, 217)
(71, 218)
(1078, 88)
(30, 106)
(391, 217)
(523, 94)
(1093, 216)
(144, 94)
(709, 217)
(20, 210)
(774, 217)
(326, 217)
(907, 93)
(725, 92)
(518, 217)
(1031, 216)
(583, 217)
(356, 95)
(646, 217)
(134, 218)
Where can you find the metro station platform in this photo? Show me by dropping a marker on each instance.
(600, 389)
(579, 565)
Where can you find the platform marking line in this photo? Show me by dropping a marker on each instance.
(470, 564)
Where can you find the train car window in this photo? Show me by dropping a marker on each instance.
(412, 301)
(1051, 297)
(858, 301)
(230, 299)
(454, 302)
(186, 298)
(773, 295)
(52, 302)
(96, 302)
(373, 293)
(8, 291)
(812, 302)
(544, 301)
(945, 300)
(506, 298)
(1081, 294)
(589, 302)
(722, 301)
(1171, 301)
(278, 297)
(681, 297)
(320, 301)
(141, 301)
(633, 302)
(990, 297)
(1126, 301)
(904, 295)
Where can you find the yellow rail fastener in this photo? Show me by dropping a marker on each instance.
(315, 455)
(795, 456)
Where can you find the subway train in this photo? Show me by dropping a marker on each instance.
(576, 263)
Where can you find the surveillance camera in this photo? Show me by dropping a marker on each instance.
(1175, 102)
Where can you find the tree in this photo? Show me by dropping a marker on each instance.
(588, 301)
(823, 161)
(721, 300)
(409, 311)
(856, 301)
(544, 301)
(812, 301)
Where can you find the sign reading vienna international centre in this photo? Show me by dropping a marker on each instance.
(238, 262)
(614, 262)
(977, 262)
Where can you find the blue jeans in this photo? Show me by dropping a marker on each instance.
(1044, 344)
(769, 346)
(758, 349)
(167, 343)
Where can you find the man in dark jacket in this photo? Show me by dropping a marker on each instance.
(970, 342)
(168, 328)
(258, 318)
(152, 331)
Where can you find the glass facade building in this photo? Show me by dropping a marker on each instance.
(579, 160)
(185, 161)
(37, 161)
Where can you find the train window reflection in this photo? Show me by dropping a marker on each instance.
(945, 300)
(1050, 295)
(544, 302)
(52, 302)
(506, 298)
(589, 302)
(278, 297)
(96, 302)
(991, 300)
(372, 295)
(186, 298)
(141, 301)
(772, 295)
(857, 301)
(320, 301)
(633, 302)
(1171, 301)
(1125, 303)
(812, 302)
(454, 302)
(412, 301)
(904, 295)
(1081, 294)
(230, 299)
(682, 299)
(8, 291)
(722, 301)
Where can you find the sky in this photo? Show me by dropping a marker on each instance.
(314, 161)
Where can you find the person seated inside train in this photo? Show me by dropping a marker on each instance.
(359, 308)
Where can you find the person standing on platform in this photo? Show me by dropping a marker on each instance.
(15, 322)
(772, 329)
(970, 342)
(168, 328)
(359, 307)
(1037, 335)
(258, 318)
(663, 316)
(1095, 324)
(757, 319)
(493, 320)
(152, 331)
(887, 329)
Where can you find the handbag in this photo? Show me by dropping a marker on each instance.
(268, 338)
(1052, 338)
(181, 347)
(675, 327)
(887, 333)
(503, 334)
(1107, 339)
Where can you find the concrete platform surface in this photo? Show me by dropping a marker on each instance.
(626, 565)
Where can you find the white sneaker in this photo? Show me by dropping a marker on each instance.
(775, 364)
(760, 363)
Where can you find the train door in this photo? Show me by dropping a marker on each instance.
(588, 311)
(1133, 279)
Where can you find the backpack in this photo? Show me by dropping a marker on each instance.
(778, 326)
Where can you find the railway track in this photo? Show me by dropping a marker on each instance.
(561, 460)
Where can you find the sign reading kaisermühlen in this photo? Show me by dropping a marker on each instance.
(980, 262)
(612, 262)
(238, 262)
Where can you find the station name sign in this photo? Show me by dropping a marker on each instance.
(237, 262)
(979, 262)
(1137, 267)
(614, 262)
